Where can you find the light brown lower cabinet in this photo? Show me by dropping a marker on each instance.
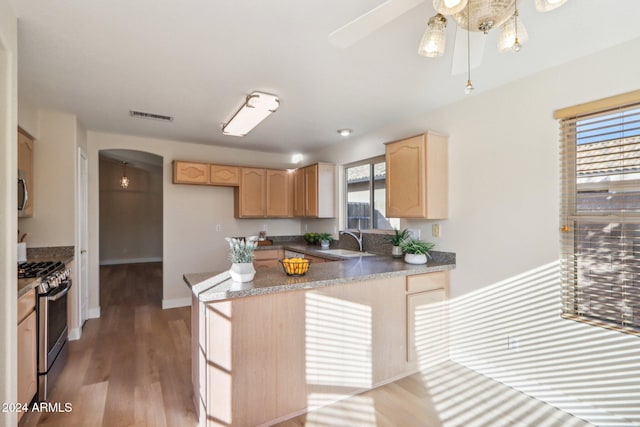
(267, 258)
(27, 352)
(427, 331)
(273, 356)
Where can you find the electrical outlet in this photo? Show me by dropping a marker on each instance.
(306, 228)
(218, 228)
(265, 227)
(513, 344)
(435, 230)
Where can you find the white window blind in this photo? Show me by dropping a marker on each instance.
(600, 217)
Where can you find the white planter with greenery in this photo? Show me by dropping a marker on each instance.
(325, 240)
(241, 254)
(396, 239)
(416, 251)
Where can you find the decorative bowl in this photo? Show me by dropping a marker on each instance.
(295, 267)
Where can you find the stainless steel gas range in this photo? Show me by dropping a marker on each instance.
(51, 311)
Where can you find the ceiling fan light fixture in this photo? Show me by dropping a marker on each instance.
(483, 15)
(433, 41)
(257, 107)
(548, 5)
(513, 34)
(449, 7)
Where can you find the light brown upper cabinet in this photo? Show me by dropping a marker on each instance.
(25, 167)
(417, 177)
(250, 196)
(263, 193)
(190, 173)
(225, 175)
(279, 197)
(314, 191)
(298, 192)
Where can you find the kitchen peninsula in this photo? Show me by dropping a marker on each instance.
(280, 346)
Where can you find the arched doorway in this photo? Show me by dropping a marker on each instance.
(130, 231)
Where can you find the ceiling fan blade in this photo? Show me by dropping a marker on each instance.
(459, 60)
(364, 25)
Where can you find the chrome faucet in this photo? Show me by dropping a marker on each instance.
(358, 239)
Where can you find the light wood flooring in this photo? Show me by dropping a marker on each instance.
(132, 368)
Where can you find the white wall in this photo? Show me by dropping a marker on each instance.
(190, 212)
(131, 219)
(8, 208)
(503, 223)
(54, 183)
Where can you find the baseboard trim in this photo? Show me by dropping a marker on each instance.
(175, 303)
(94, 313)
(75, 334)
(130, 261)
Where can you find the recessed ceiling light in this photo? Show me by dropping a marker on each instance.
(296, 158)
(345, 132)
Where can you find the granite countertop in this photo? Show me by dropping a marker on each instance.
(25, 285)
(217, 286)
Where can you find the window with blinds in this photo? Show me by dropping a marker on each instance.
(600, 217)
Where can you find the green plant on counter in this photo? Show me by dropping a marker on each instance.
(398, 236)
(240, 250)
(311, 238)
(325, 236)
(417, 247)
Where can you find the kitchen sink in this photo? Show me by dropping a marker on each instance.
(346, 253)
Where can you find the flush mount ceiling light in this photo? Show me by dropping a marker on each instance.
(479, 16)
(257, 107)
(345, 132)
(124, 181)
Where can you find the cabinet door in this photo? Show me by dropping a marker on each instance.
(406, 178)
(417, 177)
(27, 375)
(311, 190)
(225, 175)
(190, 173)
(298, 193)
(25, 164)
(426, 328)
(251, 200)
(278, 194)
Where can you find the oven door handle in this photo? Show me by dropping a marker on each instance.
(60, 294)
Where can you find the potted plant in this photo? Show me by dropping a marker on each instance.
(395, 239)
(311, 238)
(325, 240)
(241, 254)
(416, 251)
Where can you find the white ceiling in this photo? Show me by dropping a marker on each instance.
(196, 60)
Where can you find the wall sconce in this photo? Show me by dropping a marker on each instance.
(124, 181)
(257, 107)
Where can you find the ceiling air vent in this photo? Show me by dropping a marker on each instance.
(151, 116)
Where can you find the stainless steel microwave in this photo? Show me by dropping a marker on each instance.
(23, 194)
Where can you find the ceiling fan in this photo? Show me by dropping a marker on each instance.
(474, 18)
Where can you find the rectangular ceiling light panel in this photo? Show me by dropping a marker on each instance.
(256, 108)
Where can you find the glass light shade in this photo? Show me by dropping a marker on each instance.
(433, 41)
(507, 36)
(124, 182)
(485, 14)
(449, 7)
(547, 5)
